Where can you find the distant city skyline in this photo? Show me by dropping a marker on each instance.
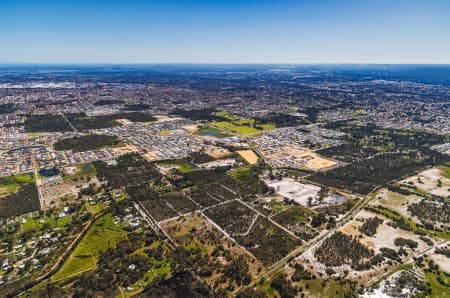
(210, 32)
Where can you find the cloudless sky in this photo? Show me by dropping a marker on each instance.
(219, 31)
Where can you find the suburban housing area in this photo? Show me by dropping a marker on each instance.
(267, 183)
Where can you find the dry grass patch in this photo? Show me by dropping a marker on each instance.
(249, 156)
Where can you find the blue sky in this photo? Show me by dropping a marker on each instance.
(217, 31)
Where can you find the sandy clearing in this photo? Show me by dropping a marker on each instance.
(397, 202)
(249, 156)
(53, 193)
(191, 128)
(151, 155)
(385, 235)
(217, 152)
(124, 121)
(128, 148)
(291, 189)
(313, 161)
(429, 179)
(442, 261)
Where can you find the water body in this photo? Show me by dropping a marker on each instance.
(25, 148)
(212, 133)
(48, 172)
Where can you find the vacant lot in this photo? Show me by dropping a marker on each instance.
(432, 181)
(385, 233)
(299, 192)
(249, 156)
(397, 202)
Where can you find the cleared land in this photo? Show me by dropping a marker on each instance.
(249, 156)
(432, 181)
(297, 157)
(293, 190)
(313, 160)
(240, 125)
(397, 202)
(59, 192)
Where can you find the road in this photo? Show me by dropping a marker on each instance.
(155, 225)
(298, 251)
(68, 122)
(62, 258)
(38, 180)
(409, 260)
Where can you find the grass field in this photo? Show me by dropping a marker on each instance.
(437, 290)
(35, 224)
(18, 195)
(227, 115)
(83, 170)
(234, 127)
(102, 235)
(8, 188)
(318, 287)
(93, 209)
(165, 132)
(211, 131)
(358, 112)
(181, 165)
(35, 134)
(445, 170)
(11, 183)
(240, 125)
(239, 172)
